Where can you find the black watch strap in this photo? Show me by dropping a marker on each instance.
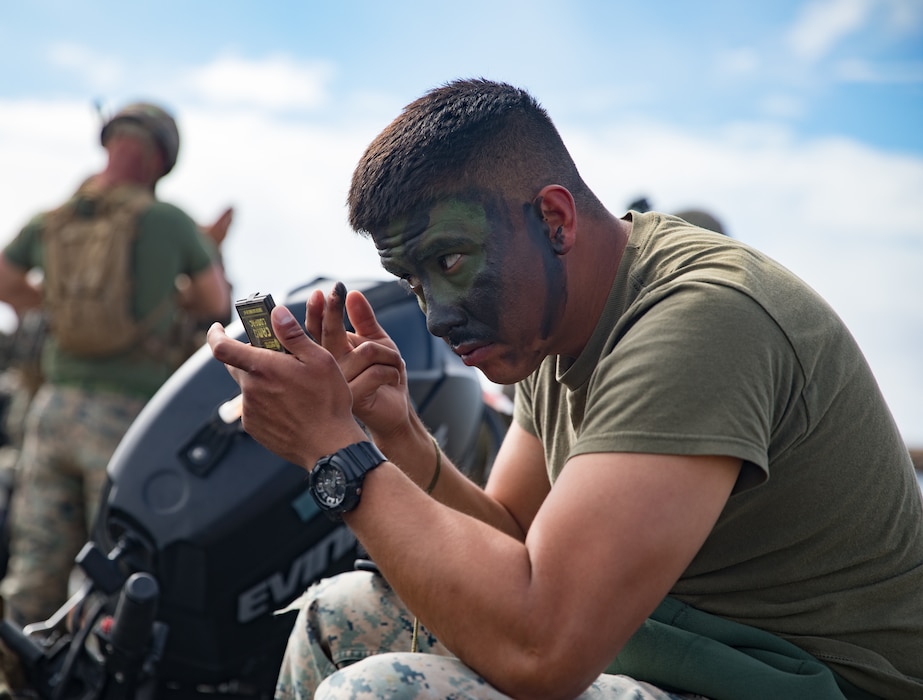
(353, 462)
(361, 458)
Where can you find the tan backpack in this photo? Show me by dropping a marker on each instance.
(88, 286)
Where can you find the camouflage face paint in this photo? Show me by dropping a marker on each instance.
(477, 271)
(442, 254)
(554, 272)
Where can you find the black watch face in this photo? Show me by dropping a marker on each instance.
(330, 485)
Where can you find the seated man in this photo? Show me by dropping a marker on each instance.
(703, 491)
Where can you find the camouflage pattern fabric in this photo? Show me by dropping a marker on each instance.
(352, 641)
(70, 435)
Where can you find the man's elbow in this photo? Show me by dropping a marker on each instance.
(220, 310)
(545, 676)
(210, 297)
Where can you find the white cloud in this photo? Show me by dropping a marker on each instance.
(276, 82)
(862, 71)
(823, 23)
(287, 182)
(784, 106)
(904, 16)
(98, 71)
(47, 146)
(847, 218)
(739, 62)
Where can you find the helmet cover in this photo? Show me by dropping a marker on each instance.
(157, 122)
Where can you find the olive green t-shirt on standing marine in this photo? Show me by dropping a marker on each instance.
(168, 244)
(705, 347)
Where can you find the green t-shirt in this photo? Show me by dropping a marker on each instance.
(168, 244)
(706, 346)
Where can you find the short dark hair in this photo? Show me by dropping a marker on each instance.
(465, 136)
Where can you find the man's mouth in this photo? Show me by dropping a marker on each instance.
(472, 352)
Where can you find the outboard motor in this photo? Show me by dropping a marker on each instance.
(224, 533)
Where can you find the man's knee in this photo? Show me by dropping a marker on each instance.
(407, 677)
(355, 615)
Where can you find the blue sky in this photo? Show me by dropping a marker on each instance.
(798, 123)
(851, 67)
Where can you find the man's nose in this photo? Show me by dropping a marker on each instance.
(441, 318)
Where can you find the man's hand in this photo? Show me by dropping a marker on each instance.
(297, 405)
(16, 289)
(218, 231)
(368, 358)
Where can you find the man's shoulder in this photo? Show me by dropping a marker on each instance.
(168, 216)
(163, 208)
(36, 223)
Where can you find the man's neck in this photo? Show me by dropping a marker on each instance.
(597, 266)
(114, 177)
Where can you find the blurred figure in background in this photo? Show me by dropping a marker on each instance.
(189, 326)
(702, 219)
(695, 216)
(110, 258)
(20, 378)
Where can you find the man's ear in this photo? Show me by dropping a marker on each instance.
(558, 211)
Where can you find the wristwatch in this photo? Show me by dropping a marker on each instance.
(336, 480)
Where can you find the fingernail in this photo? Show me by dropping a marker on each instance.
(284, 317)
(340, 290)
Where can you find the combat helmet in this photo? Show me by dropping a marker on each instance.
(157, 121)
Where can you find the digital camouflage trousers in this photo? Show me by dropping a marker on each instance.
(352, 641)
(70, 435)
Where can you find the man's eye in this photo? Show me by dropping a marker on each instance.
(447, 262)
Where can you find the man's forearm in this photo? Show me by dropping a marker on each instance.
(22, 298)
(16, 289)
(415, 453)
(466, 585)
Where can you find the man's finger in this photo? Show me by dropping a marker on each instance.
(221, 344)
(233, 354)
(314, 315)
(335, 339)
(290, 333)
(362, 316)
(370, 354)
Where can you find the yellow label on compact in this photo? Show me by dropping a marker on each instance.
(254, 313)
